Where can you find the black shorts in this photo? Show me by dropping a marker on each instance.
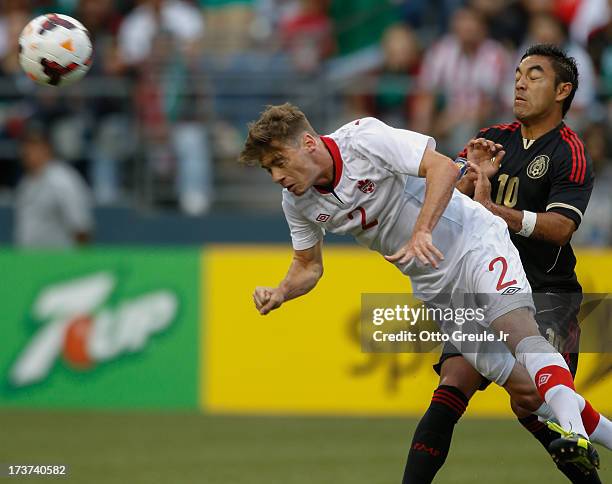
(557, 318)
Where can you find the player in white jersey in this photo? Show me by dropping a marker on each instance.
(395, 194)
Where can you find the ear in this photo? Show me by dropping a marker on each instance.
(564, 89)
(309, 142)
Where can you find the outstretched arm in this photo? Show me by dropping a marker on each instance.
(304, 272)
(441, 175)
(548, 226)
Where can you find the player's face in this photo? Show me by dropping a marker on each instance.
(293, 167)
(35, 154)
(535, 91)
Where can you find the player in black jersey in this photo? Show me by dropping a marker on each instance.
(540, 185)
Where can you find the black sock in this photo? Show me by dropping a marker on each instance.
(545, 436)
(432, 436)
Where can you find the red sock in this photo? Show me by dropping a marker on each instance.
(590, 418)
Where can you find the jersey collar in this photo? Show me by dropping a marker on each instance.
(553, 132)
(334, 151)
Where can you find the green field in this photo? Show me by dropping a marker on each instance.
(132, 448)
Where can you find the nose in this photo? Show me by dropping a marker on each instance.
(277, 176)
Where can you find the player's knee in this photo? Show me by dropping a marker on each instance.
(531, 345)
(456, 372)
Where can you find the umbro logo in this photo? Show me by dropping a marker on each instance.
(543, 380)
(366, 186)
(322, 217)
(511, 290)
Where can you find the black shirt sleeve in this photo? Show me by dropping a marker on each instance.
(572, 183)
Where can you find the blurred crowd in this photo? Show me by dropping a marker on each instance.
(163, 113)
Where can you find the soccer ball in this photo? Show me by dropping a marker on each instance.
(55, 50)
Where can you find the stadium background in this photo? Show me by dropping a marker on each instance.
(140, 358)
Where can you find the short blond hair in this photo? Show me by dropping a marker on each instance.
(277, 126)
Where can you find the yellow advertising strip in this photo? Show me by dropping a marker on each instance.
(306, 358)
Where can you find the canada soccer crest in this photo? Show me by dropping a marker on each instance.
(366, 186)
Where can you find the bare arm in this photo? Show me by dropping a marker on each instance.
(466, 184)
(550, 226)
(440, 174)
(304, 272)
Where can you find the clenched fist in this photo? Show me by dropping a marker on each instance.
(267, 298)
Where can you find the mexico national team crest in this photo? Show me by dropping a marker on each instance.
(366, 186)
(538, 167)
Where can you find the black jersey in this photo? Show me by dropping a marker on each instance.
(551, 174)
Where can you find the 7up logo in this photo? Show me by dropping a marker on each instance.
(78, 324)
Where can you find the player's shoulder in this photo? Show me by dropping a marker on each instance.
(361, 126)
(572, 155)
(499, 131)
(60, 173)
(293, 202)
(360, 133)
(372, 131)
(288, 198)
(570, 142)
(289, 204)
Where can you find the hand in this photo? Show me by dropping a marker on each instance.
(421, 246)
(267, 299)
(482, 186)
(486, 154)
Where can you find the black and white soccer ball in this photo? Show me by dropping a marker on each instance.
(55, 50)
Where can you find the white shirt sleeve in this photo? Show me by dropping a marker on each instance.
(304, 233)
(397, 150)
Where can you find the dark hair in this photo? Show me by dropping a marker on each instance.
(564, 66)
(277, 126)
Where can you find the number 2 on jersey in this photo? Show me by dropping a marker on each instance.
(500, 283)
(364, 224)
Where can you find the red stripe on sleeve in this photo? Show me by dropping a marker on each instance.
(564, 135)
(581, 155)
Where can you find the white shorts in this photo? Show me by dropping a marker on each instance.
(490, 277)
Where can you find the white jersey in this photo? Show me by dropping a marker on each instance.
(377, 196)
